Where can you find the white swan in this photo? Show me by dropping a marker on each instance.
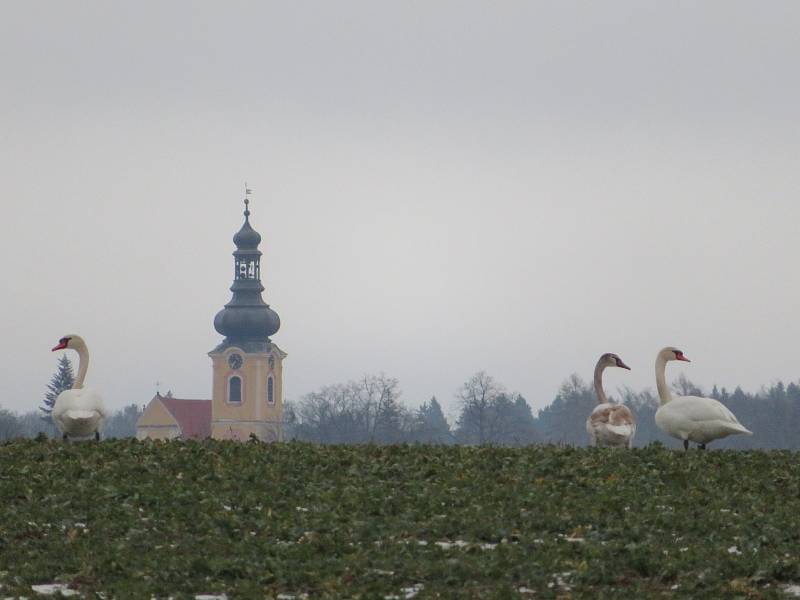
(691, 418)
(609, 424)
(78, 412)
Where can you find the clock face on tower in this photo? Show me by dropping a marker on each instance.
(235, 361)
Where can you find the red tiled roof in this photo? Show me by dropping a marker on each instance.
(193, 416)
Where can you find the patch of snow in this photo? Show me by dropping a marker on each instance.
(792, 590)
(524, 590)
(226, 507)
(675, 587)
(575, 539)
(464, 544)
(211, 597)
(734, 550)
(448, 545)
(683, 549)
(411, 592)
(48, 589)
(560, 581)
(381, 572)
(301, 509)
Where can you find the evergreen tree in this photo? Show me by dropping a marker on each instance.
(522, 430)
(62, 380)
(564, 420)
(430, 426)
(389, 420)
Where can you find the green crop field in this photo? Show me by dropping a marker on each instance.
(131, 519)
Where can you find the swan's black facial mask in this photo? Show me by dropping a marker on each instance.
(62, 343)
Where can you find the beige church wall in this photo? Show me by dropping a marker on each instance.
(157, 432)
(156, 414)
(249, 409)
(274, 412)
(241, 431)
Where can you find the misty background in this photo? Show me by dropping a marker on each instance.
(442, 188)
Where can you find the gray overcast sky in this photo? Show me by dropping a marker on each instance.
(442, 187)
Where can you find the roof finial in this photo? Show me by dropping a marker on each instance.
(247, 192)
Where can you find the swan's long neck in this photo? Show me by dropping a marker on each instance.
(83, 365)
(598, 383)
(661, 380)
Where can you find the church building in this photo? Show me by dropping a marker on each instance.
(247, 366)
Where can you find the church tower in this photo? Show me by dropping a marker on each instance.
(247, 391)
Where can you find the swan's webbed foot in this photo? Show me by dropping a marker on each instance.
(96, 436)
(65, 437)
(701, 446)
(686, 445)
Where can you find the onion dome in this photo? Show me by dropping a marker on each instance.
(247, 238)
(247, 321)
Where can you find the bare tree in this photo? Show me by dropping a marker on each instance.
(479, 419)
(684, 387)
(367, 410)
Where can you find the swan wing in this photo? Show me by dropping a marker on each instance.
(80, 415)
(698, 419)
(611, 424)
(79, 399)
(696, 408)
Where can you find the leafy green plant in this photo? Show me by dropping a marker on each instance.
(135, 519)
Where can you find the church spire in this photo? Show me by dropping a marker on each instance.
(247, 320)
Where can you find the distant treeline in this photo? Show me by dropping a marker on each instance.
(121, 424)
(370, 410)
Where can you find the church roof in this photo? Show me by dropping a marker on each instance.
(193, 416)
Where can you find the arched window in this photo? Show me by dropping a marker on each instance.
(270, 390)
(235, 389)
